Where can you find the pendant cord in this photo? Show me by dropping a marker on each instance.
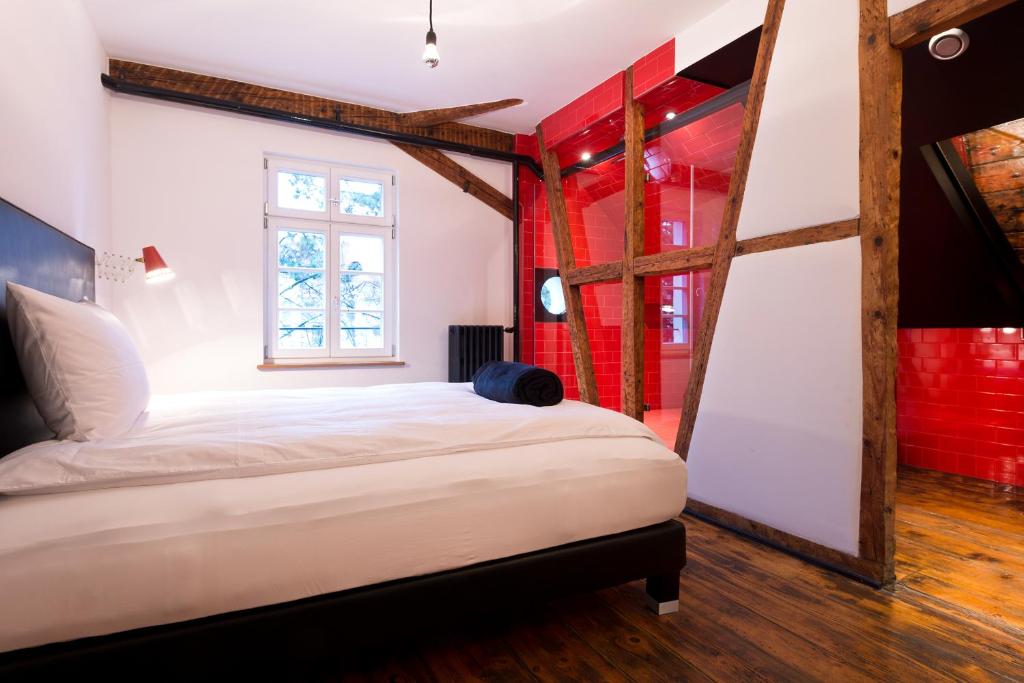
(430, 15)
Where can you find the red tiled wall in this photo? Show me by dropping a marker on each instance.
(583, 111)
(654, 69)
(960, 402)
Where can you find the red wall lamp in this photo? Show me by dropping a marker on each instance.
(120, 268)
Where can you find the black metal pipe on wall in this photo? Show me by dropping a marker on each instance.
(516, 354)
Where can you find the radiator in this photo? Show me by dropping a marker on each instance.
(470, 346)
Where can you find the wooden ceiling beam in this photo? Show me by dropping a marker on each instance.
(468, 182)
(433, 117)
(920, 22)
(230, 93)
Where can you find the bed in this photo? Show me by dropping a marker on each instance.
(310, 522)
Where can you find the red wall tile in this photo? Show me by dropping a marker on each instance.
(960, 402)
(654, 69)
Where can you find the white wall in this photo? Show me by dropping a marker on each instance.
(778, 433)
(190, 181)
(54, 137)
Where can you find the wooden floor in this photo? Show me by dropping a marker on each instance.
(751, 613)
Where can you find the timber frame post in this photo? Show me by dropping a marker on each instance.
(881, 91)
(633, 284)
(881, 86)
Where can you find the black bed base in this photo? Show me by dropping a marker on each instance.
(336, 626)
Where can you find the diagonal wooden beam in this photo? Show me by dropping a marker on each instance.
(467, 181)
(433, 117)
(726, 246)
(881, 85)
(920, 22)
(579, 339)
(632, 392)
(230, 93)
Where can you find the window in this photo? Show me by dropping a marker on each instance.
(548, 298)
(675, 309)
(331, 235)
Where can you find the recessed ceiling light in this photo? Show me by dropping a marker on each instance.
(1009, 330)
(585, 156)
(671, 115)
(948, 44)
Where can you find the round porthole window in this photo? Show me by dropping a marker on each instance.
(551, 296)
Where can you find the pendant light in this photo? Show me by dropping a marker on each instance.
(431, 57)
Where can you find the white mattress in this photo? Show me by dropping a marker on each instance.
(84, 563)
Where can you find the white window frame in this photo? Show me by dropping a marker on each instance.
(274, 166)
(274, 224)
(386, 180)
(333, 224)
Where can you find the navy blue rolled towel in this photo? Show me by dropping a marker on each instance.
(518, 383)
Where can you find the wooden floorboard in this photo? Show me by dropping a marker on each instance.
(750, 613)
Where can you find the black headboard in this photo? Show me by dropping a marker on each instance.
(38, 255)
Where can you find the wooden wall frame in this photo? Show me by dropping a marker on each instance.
(880, 81)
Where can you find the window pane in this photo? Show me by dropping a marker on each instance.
(689, 170)
(300, 330)
(303, 191)
(297, 249)
(361, 292)
(300, 290)
(552, 297)
(360, 197)
(362, 252)
(361, 331)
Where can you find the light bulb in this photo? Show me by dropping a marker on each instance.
(159, 275)
(585, 156)
(431, 57)
(671, 115)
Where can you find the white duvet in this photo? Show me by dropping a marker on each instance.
(219, 435)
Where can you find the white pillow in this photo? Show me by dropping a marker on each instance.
(82, 368)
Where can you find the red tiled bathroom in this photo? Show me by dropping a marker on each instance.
(692, 133)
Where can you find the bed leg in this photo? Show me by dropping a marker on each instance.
(663, 593)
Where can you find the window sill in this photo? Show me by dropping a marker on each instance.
(317, 363)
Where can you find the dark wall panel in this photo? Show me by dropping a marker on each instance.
(949, 276)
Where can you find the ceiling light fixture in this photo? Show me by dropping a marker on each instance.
(948, 44)
(671, 115)
(431, 57)
(585, 156)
